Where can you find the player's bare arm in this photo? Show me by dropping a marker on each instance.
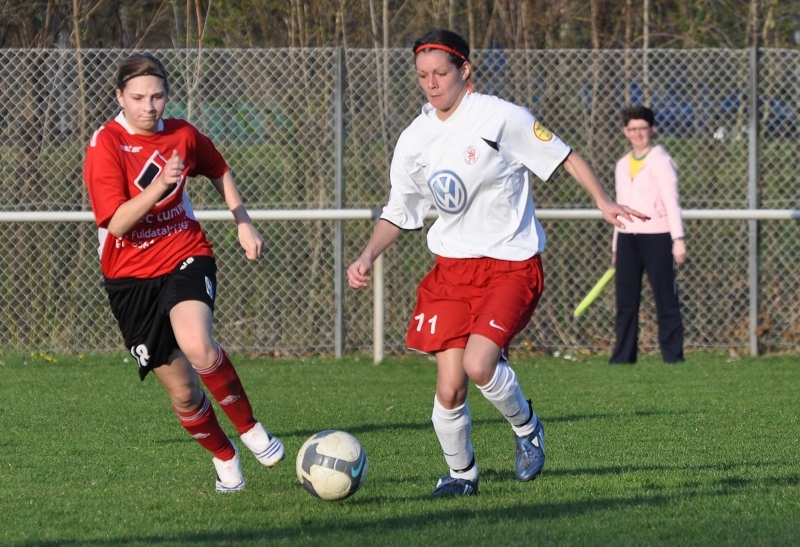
(132, 211)
(249, 238)
(582, 172)
(384, 234)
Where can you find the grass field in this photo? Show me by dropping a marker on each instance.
(703, 453)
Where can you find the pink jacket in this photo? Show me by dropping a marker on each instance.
(653, 192)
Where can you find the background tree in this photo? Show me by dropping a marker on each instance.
(532, 24)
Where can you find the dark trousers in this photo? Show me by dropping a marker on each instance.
(651, 253)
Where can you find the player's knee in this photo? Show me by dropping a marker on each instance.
(200, 354)
(451, 398)
(186, 397)
(479, 370)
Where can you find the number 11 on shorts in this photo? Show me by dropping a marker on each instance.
(421, 319)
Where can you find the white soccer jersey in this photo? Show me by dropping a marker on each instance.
(474, 168)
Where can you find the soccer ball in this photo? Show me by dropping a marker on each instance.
(332, 465)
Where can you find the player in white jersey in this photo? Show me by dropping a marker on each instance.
(475, 167)
(470, 155)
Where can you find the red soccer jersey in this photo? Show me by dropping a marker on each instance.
(119, 165)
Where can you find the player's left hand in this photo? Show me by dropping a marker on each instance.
(612, 211)
(250, 240)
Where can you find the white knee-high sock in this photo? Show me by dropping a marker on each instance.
(504, 393)
(453, 428)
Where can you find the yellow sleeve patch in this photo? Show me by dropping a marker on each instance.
(541, 132)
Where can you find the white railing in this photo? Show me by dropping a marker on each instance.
(367, 214)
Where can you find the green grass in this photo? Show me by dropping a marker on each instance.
(704, 453)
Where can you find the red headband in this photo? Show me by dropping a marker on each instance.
(448, 49)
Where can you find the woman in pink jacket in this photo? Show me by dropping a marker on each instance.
(647, 180)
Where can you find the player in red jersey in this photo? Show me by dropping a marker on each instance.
(158, 267)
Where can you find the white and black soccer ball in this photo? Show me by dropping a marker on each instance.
(332, 465)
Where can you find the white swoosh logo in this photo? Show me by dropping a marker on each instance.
(496, 326)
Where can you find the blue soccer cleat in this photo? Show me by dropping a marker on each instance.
(530, 454)
(451, 487)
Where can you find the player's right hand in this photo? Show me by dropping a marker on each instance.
(173, 170)
(679, 251)
(612, 210)
(358, 273)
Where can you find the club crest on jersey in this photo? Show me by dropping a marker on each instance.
(448, 191)
(471, 155)
(541, 132)
(152, 168)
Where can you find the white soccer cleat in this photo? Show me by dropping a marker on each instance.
(229, 473)
(267, 449)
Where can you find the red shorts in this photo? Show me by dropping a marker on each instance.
(464, 296)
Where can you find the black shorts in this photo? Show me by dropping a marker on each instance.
(142, 306)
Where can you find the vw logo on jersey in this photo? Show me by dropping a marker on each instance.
(448, 191)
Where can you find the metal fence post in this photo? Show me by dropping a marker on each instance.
(338, 237)
(752, 200)
(377, 310)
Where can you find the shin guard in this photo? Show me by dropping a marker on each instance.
(453, 427)
(203, 426)
(224, 384)
(504, 393)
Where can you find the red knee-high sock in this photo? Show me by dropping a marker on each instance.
(226, 387)
(203, 426)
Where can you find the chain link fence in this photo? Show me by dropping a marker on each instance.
(272, 114)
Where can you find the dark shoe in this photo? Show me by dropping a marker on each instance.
(450, 487)
(530, 454)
